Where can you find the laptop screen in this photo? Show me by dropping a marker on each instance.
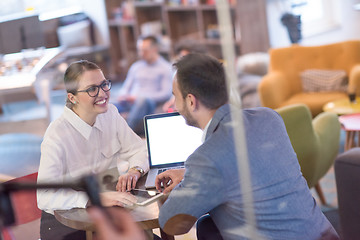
(169, 139)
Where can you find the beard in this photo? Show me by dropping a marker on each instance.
(188, 118)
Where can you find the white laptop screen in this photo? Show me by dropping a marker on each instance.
(169, 139)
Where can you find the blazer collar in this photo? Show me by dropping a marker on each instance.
(222, 111)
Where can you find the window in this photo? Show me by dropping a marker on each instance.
(12, 7)
(317, 16)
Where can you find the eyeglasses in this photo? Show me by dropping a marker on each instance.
(94, 90)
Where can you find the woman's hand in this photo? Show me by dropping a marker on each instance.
(169, 179)
(114, 198)
(128, 181)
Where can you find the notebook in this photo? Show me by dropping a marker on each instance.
(169, 142)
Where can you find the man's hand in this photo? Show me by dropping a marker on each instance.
(169, 179)
(123, 226)
(169, 104)
(128, 181)
(113, 198)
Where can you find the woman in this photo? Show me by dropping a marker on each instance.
(89, 137)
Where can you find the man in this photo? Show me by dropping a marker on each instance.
(148, 84)
(283, 205)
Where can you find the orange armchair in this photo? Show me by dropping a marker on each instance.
(282, 85)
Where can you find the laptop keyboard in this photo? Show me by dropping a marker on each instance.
(164, 169)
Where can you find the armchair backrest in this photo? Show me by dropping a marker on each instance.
(26, 213)
(315, 141)
(298, 123)
(291, 61)
(24, 202)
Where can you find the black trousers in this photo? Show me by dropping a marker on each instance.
(52, 229)
(206, 229)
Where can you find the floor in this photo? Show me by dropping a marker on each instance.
(24, 114)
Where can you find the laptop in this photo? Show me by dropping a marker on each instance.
(170, 141)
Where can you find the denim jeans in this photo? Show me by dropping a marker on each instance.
(137, 111)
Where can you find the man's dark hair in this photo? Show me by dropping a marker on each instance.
(204, 77)
(190, 45)
(152, 39)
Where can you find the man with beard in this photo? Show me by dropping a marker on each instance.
(209, 187)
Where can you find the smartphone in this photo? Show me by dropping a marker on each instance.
(145, 197)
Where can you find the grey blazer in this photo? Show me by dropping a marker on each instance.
(284, 207)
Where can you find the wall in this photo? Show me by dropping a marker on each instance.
(96, 11)
(348, 29)
(278, 35)
(20, 33)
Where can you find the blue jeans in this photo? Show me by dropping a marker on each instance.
(137, 111)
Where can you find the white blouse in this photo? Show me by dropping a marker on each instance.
(71, 148)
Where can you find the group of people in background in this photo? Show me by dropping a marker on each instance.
(91, 136)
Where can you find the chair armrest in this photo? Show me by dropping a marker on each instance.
(273, 89)
(354, 80)
(327, 129)
(179, 224)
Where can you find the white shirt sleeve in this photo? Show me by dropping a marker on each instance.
(51, 170)
(127, 85)
(133, 148)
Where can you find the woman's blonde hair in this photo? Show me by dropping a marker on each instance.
(72, 74)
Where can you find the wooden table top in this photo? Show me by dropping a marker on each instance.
(78, 218)
(343, 106)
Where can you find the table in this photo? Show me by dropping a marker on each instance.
(351, 124)
(349, 118)
(145, 216)
(343, 106)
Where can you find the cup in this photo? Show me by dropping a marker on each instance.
(352, 97)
